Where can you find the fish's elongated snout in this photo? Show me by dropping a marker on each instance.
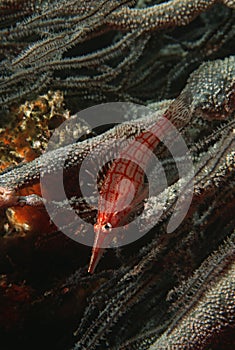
(95, 258)
(102, 239)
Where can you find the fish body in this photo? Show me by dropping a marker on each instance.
(124, 187)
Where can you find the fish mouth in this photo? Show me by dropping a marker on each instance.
(102, 239)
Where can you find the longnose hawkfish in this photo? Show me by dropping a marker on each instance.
(209, 93)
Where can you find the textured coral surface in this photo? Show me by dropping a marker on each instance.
(167, 290)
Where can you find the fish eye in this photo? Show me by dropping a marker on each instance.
(108, 226)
